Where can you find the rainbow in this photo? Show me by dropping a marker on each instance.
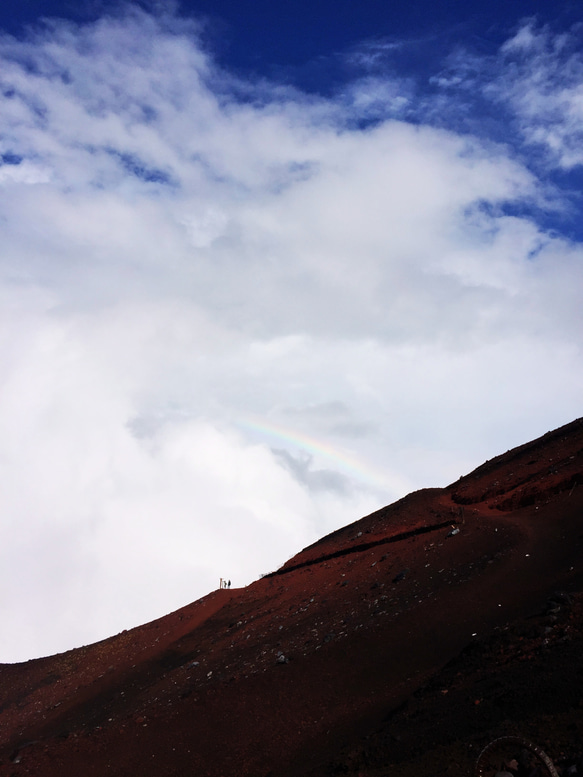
(347, 463)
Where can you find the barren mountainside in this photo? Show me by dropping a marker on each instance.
(400, 645)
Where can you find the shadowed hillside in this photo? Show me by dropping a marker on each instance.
(399, 644)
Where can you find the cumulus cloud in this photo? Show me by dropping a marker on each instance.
(236, 317)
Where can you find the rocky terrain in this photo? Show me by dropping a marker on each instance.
(401, 644)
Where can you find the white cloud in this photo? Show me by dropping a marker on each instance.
(542, 80)
(232, 321)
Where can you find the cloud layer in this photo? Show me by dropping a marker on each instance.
(236, 317)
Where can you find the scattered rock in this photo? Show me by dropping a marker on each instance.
(561, 597)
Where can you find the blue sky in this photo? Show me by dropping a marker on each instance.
(259, 36)
(265, 268)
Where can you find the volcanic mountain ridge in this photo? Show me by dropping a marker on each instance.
(400, 644)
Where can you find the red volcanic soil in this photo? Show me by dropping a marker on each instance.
(400, 644)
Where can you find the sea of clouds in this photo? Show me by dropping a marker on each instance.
(234, 317)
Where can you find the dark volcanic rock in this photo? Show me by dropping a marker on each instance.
(338, 663)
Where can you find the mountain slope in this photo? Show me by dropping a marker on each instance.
(303, 671)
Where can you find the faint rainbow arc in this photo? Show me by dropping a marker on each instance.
(318, 448)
